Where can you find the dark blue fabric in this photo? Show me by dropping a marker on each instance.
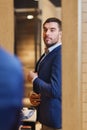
(49, 85)
(10, 118)
(11, 89)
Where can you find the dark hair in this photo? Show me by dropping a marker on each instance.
(53, 19)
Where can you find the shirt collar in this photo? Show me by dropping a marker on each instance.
(54, 46)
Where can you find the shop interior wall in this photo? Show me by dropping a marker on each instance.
(84, 65)
(7, 25)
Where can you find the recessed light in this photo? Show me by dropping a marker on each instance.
(30, 17)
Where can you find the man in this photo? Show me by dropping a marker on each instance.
(11, 91)
(47, 78)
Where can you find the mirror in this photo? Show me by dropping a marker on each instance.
(27, 38)
(29, 16)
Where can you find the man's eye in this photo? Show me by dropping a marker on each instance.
(52, 30)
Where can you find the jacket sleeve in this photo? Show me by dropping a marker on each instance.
(53, 88)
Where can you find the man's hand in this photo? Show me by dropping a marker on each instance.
(32, 75)
(35, 99)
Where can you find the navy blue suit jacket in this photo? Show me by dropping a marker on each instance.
(48, 84)
(11, 91)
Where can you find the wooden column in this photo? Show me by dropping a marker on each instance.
(7, 24)
(71, 54)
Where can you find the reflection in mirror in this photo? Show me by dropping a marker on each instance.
(27, 37)
(28, 41)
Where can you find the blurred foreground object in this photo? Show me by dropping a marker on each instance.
(11, 91)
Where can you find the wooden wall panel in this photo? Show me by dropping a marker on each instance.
(7, 24)
(84, 65)
(71, 94)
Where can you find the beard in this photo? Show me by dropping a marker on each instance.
(49, 41)
(49, 45)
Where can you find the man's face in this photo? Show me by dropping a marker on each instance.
(51, 33)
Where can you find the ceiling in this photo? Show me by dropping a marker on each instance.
(33, 3)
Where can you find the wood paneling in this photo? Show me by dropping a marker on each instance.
(70, 74)
(84, 65)
(7, 25)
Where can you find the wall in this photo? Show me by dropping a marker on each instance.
(84, 65)
(71, 98)
(7, 25)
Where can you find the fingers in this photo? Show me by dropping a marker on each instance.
(35, 99)
(35, 96)
(35, 103)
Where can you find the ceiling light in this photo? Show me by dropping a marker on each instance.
(30, 17)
